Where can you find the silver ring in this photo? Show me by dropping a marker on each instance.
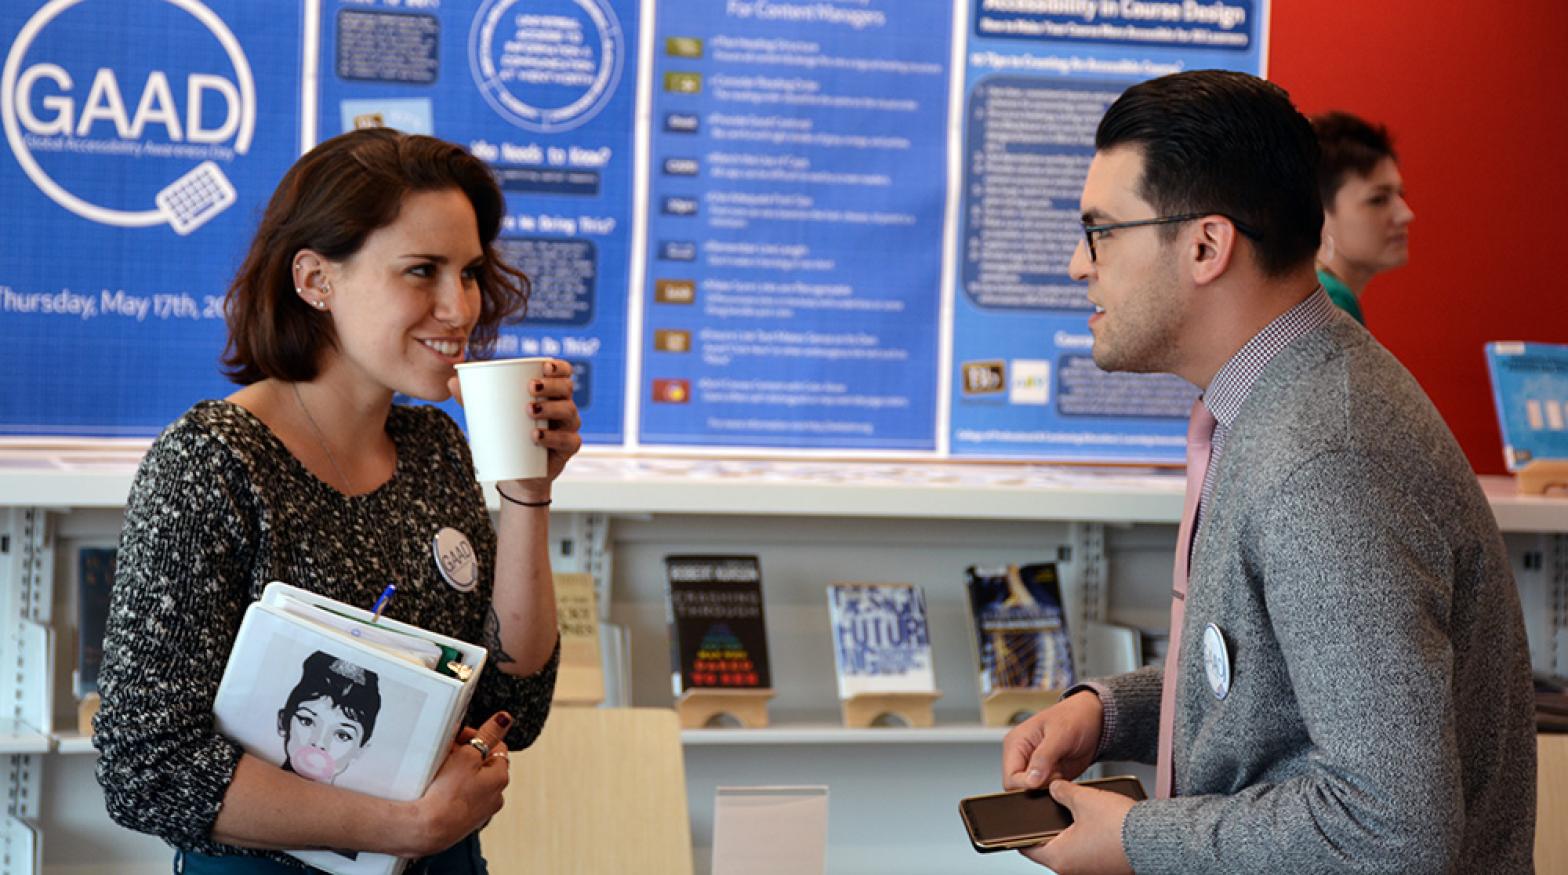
(479, 744)
(501, 755)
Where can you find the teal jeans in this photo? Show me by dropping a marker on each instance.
(463, 858)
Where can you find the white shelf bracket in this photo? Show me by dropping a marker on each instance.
(583, 544)
(20, 839)
(26, 588)
(1090, 567)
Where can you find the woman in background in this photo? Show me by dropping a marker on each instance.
(1366, 222)
(371, 275)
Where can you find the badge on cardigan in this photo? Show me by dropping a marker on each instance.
(1216, 661)
(456, 559)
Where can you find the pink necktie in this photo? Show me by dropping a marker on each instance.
(1200, 432)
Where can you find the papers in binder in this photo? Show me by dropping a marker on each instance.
(313, 687)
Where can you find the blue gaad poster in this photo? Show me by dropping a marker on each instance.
(1039, 75)
(542, 91)
(142, 139)
(796, 194)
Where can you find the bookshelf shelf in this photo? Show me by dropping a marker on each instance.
(830, 734)
(100, 477)
(71, 743)
(18, 738)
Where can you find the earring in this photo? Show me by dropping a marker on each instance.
(319, 305)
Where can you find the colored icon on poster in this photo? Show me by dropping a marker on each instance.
(671, 340)
(675, 291)
(671, 391)
(683, 83)
(681, 167)
(682, 123)
(984, 378)
(683, 47)
(1031, 383)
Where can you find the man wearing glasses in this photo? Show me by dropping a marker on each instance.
(1348, 685)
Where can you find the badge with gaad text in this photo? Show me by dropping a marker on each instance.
(1216, 661)
(456, 558)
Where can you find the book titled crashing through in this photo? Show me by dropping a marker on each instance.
(718, 639)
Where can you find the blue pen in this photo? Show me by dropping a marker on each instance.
(386, 596)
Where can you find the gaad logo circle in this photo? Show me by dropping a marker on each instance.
(542, 70)
(186, 202)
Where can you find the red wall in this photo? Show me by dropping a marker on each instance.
(1476, 96)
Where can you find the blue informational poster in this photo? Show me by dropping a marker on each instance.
(828, 226)
(1530, 390)
(543, 91)
(796, 195)
(142, 138)
(1039, 76)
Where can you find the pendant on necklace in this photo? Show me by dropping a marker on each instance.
(456, 559)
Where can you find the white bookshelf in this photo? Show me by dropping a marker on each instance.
(811, 522)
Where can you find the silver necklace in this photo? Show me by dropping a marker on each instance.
(321, 439)
(353, 507)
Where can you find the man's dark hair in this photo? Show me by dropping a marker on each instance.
(1228, 143)
(1348, 145)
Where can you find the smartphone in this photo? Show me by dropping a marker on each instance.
(1022, 818)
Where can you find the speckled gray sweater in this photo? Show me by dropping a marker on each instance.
(1379, 717)
(218, 509)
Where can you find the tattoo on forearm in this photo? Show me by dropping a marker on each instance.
(498, 654)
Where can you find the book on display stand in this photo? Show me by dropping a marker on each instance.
(1021, 641)
(1530, 390)
(882, 653)
(718, 640)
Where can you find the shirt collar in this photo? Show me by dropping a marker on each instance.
(1231, 386)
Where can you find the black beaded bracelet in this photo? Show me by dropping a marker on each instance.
(545, 503)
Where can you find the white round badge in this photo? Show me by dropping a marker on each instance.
(455, 557)
(1216, 661)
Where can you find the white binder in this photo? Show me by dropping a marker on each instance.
(310, 684)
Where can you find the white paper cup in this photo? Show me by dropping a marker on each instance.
(500, 430)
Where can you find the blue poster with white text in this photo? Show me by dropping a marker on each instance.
(1039, 77)
(143, 138)
(542, 91)
(795, 224)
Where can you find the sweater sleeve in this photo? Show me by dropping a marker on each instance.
(527, 699)
(179, 594)
(1131, 707)
(1357, 582)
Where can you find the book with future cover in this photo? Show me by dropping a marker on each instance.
(1530, 389)
(718, 639)
(1020, 628)
(316, 687)
(881, 640)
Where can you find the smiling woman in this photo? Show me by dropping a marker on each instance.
(373, 273)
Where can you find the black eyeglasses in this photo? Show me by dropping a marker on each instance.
(1090, 230)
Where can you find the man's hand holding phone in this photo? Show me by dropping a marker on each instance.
(1093, 844)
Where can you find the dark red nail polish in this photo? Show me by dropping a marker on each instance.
(503, 720)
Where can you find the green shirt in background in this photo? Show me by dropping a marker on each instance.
(1341, 294)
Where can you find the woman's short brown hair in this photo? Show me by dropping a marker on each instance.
(330, 201)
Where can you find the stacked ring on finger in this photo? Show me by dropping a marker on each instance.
(480, 745)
